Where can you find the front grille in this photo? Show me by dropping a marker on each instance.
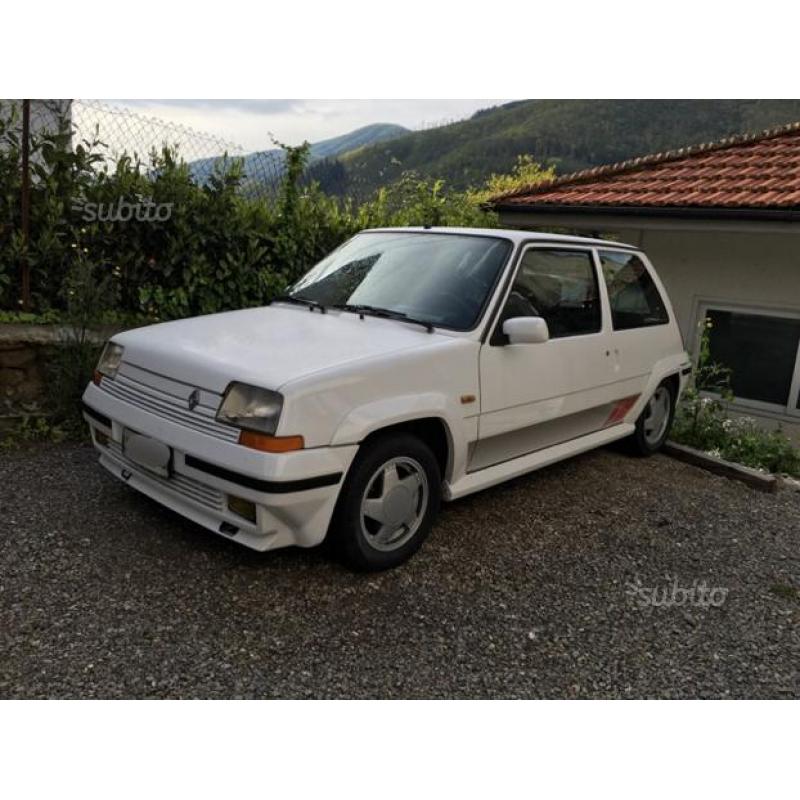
(180, 484)
(169, 406)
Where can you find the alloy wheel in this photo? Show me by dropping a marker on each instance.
(394, 503)
(656, 416)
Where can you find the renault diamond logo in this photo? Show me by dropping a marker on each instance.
(194, 399)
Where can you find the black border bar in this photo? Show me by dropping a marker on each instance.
(270, 487)
(668, 212)
(102, 419)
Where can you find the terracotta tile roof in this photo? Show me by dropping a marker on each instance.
(758, 171)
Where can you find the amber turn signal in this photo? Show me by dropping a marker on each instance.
(270, 444)
(97, 376)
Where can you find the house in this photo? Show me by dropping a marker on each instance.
(721, 222)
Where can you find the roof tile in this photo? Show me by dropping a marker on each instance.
(750, 171)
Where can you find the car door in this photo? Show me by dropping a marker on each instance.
(640, 334)
(537, 395)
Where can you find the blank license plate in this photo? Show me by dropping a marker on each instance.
(148, 453)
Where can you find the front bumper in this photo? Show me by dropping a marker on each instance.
(294, 493)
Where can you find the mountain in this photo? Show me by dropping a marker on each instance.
(570, 134)
(361, 137)
(268, 164)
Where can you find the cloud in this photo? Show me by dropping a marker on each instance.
(249, 123)
(219, 106)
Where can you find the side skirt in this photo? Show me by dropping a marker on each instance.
(491, 476)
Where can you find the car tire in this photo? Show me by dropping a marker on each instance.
(655, 421)
(388, 503)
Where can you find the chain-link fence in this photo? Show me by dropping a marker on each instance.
(30, 130)
(123, 131)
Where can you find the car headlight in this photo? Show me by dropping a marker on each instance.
(251, 407)
(110, 359)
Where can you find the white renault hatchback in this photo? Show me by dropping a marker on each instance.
(409, 366)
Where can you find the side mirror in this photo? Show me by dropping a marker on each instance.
(526, 330)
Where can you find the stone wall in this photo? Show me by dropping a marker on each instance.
(25, 351)
(22, 372)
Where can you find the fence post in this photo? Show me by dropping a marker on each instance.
(25, 205)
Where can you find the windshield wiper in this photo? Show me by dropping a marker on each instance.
(386, 313)
(301, 301)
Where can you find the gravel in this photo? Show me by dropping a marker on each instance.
(525, 590)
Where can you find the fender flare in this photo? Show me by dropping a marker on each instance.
(673, 366)
(372, 417)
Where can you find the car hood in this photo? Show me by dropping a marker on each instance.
(265, 346)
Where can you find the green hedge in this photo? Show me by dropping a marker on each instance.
(217, 250)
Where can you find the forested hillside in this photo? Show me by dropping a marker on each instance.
(325, 149)
(570, 134)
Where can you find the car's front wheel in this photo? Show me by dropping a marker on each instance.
(655, 421)
(388, 503)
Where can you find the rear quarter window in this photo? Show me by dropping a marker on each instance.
(632, 293)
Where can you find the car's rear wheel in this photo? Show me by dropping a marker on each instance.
(655, 421)
(388, 503)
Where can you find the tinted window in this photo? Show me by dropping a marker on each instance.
(632, 293)
(559, 286)
(759, 350)
(441, 278)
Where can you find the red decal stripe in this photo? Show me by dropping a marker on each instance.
(621, 409)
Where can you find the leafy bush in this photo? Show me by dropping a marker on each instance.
(703, 421)
(737, 439)
(526, 173)
(33, 427)
(413, 200)
(50, 317)
(70, 367)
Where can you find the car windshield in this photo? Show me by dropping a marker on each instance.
(436, 278)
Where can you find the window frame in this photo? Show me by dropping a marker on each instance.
(789, 412)
(660, 290)
(496, 338)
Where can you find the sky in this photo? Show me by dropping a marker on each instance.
(249, 123)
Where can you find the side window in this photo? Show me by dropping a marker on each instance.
(561, 287)
(632, 293)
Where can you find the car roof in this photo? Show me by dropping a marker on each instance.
(515, 236)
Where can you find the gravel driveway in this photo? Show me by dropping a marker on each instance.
(526, 590)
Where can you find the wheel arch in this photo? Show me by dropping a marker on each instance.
(429, 416)
(434, 431)
(670, 370)
(673, 380)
